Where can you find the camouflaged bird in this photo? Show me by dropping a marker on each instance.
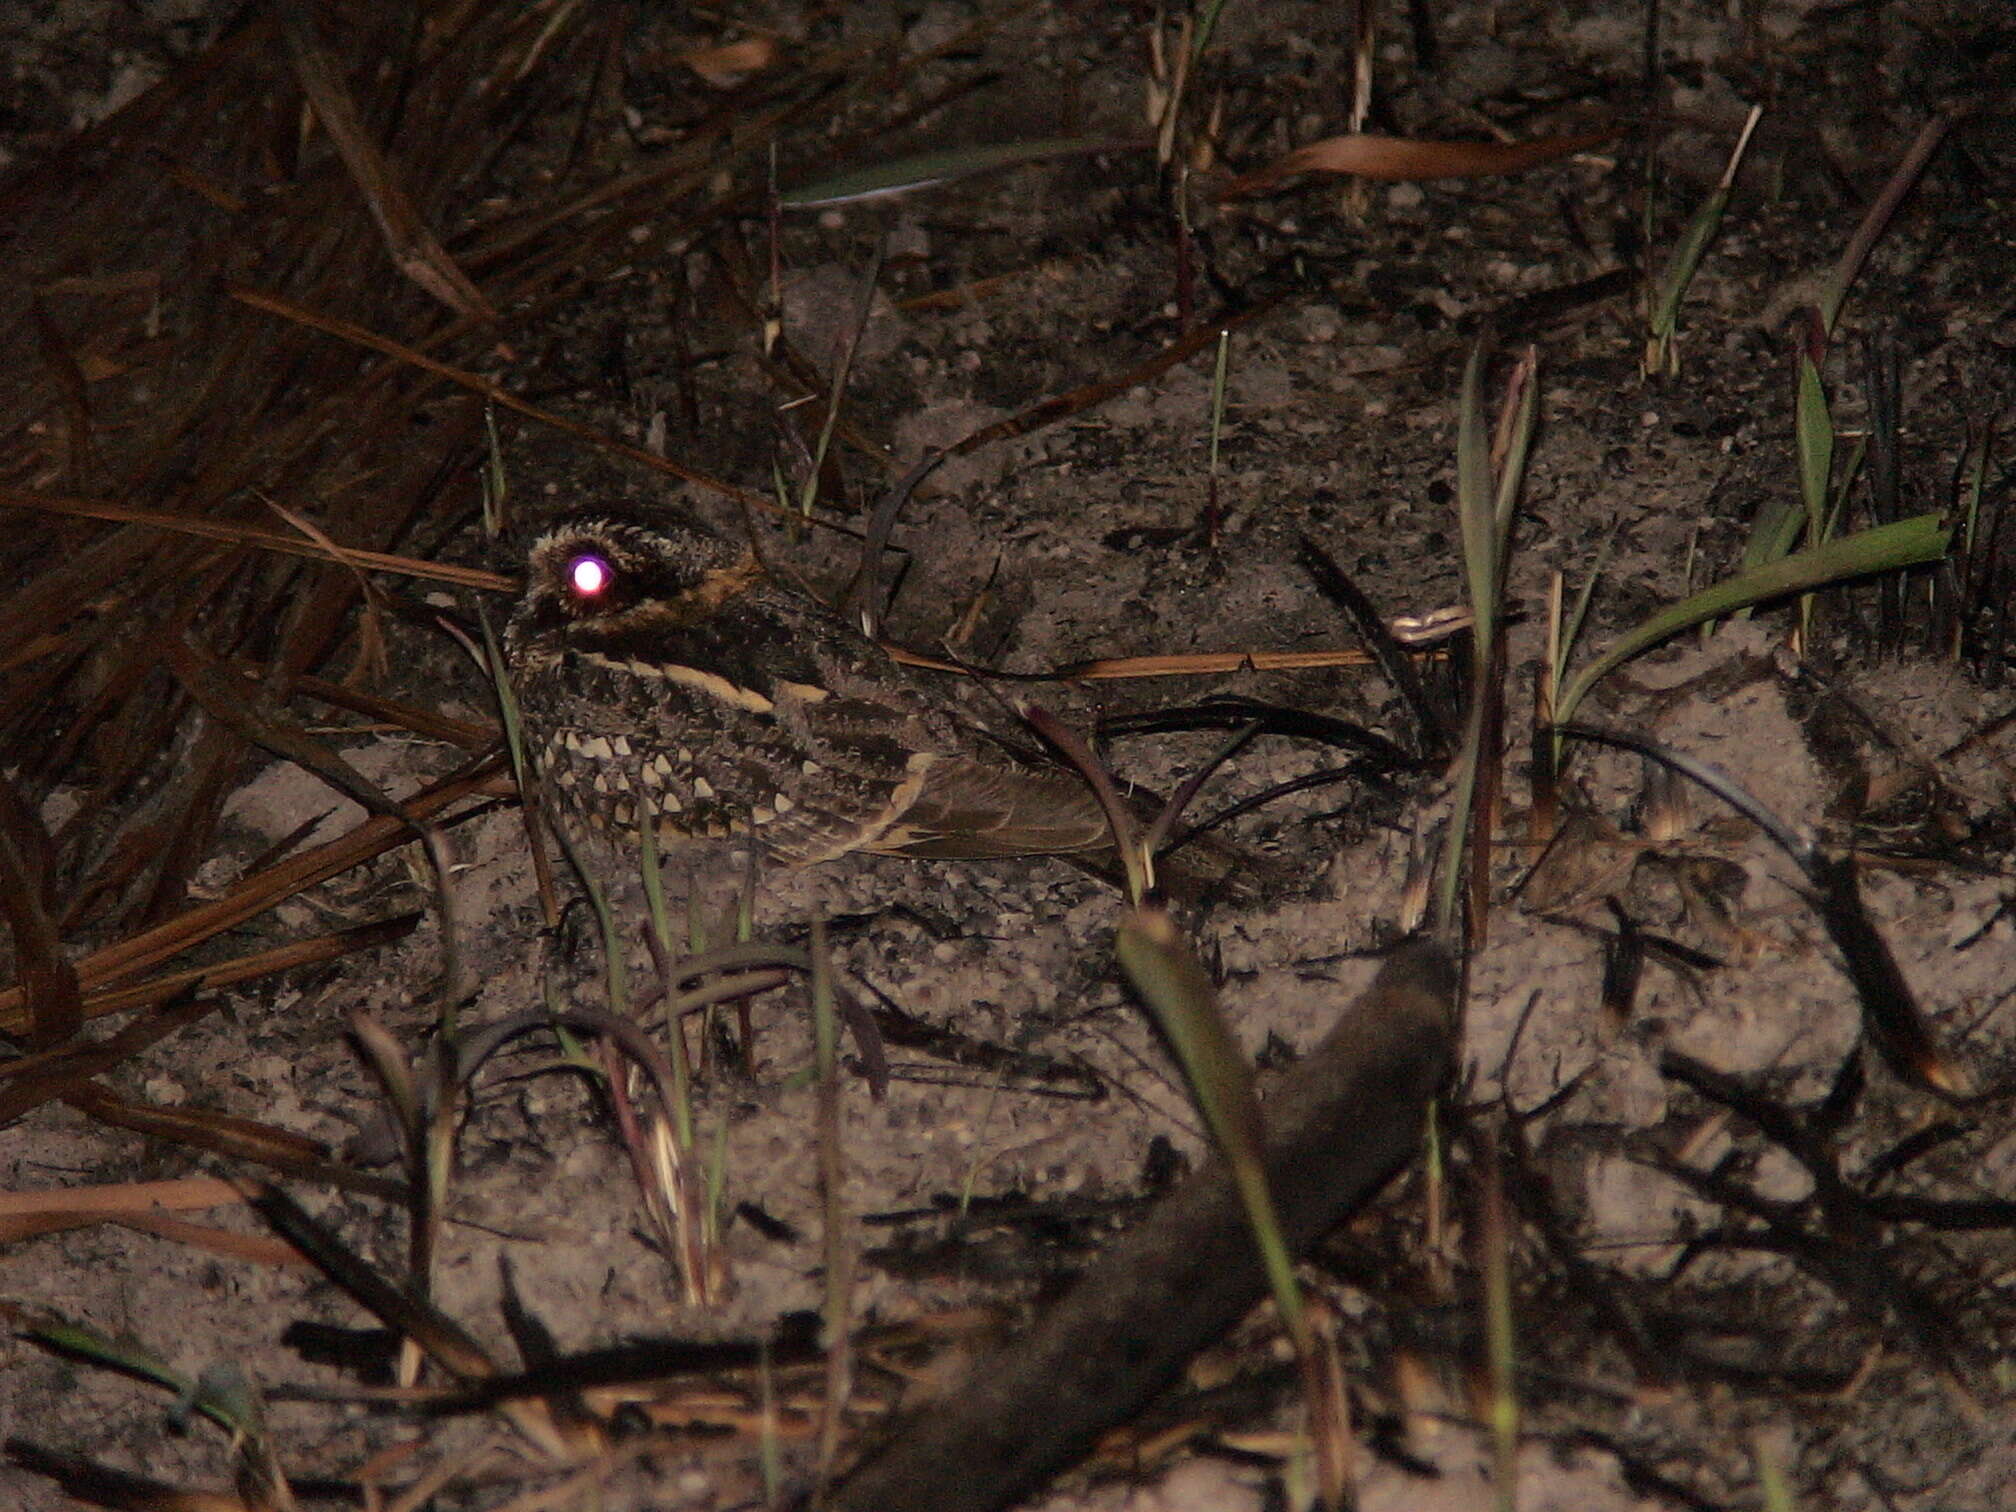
(663, 676)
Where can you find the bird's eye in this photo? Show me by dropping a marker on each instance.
(589, 575)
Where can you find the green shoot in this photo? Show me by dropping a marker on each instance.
(838, 1257)
(1563, 638)
(780, 487)
(135, 1359)
(615, 964)
(1205, 27)
(1781, 522)
(661, 932)
(1886, 548)
(1166, 972)
(221, 1393)
(769, 1442)
(1662, 349)
(1218, 394)
(717, 1183)
(1777, 526)
(1169, 977)
(1168, 83)
(1434, 1196)
(1484, 511)
(1813, 436)
(691, 1212)
(1771, 1479)
(1500, 1341)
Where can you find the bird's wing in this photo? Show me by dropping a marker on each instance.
(961, 808)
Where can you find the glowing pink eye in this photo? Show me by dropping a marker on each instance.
(589, 576)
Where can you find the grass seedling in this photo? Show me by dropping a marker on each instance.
(1435, 1196)
(695, 1193)
(1206, 25)
(1662, 347)
(1885, 548)
(1771, 1478)
(1777, 527)
(1174, 61)
(661, 941)
(674, 1189)
(1562, 637)
(838, 1255)
(1813, 438)
(522, 773)
(1973, 482)
(616, 965)
(1173, 982)
(425, 1098)
(769, 1444)
(1488, 479)
(1501, 1356)
(663, 1154)
(222, 1394)
(1164, 969)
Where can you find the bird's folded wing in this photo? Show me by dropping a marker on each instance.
(961, 808)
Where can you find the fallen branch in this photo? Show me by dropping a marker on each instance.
(1338, 1125)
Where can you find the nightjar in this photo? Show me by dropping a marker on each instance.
(663, 677)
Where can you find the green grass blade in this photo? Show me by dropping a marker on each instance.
(221, 1397)
(1661, 355)
(1813, 432)
(1484, 512)
(1205, 27)
(1903, 543)
(1167, 973)
(1685, 262)
(124, 1355)
(1774, 531)
(661, 930)
(1475, 513)
(1518, 446)
(1837, 502)
(1579, 615)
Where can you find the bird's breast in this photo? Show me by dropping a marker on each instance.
(681, 747)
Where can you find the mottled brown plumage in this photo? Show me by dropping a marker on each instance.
(662, 674)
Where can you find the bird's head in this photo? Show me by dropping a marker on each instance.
(591, 578)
